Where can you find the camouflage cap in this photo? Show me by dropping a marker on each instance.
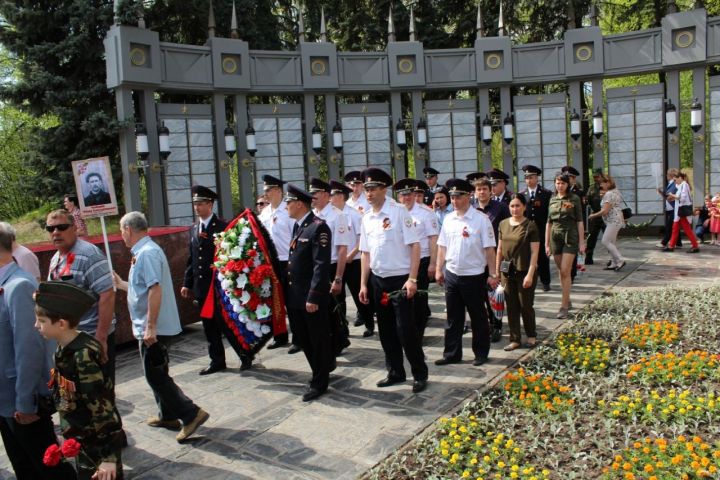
(64, 299)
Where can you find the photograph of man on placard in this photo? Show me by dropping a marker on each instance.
(95, 189)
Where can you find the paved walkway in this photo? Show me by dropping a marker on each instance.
(260, 429)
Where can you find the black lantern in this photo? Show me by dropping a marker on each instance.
(400, 137)
(316, 139)
(337, 137)
(696, 119)
(250, 140)
(574, 125)
(422, 133)
(598, 123)
(141, 141)
(230, 143)
(164, 140)
(486, 131)
(508, 129)
(670, 117)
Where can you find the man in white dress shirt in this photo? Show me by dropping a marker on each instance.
(390, 258)
(357, 198)
(279, 225)
(466, 246)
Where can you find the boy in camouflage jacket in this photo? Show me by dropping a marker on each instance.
(83, 394)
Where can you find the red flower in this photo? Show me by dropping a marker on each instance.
(251, 253)
(52, 456)
(253, 303)
(258, 275)
(385, 299)
(465, 232)
(71, 448)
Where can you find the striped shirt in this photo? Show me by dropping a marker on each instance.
(85, 266)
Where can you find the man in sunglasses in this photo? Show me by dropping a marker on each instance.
(431, 178)
(83, 264)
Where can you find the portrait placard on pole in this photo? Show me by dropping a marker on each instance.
(95, 188)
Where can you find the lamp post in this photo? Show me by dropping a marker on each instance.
(316, 138)
(696, 120)
(422, 138)
(142, 148)
(508, 133)
(671, 122)
(337, 142)
(230, 146)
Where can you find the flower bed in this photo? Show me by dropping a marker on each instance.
(642, 415)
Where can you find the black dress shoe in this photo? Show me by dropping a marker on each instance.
(480, 361)
(359, 322)
(668, 249)
(589, 261)
(445, 361)
(419, 386)
(694, 250)
(368, 333)
(546, 287)
(389, 381)
(311, 394)
(496, 335)
(210, 369)
(245, 363)
(294, 349)
(275, 344)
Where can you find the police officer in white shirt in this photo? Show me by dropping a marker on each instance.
(426, 223)
(279, 225)
(342, 240)
(339, 194)
(466, 245)
(390, 255)
(357, 199)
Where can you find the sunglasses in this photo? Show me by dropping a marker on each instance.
(260, 204)
(60, 227)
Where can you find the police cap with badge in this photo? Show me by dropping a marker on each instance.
(430, 172)
(404, 186)
(531, 170)
(318, 185)
(353, 177)
(495, 175)
(271, 182)
(421, 187)
(475, 176)
(338, 187)
(376, 177)
(202, 194)
(568, 170)
(458, 186)
(297, 194)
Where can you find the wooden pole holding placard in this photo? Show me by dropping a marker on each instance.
(107, 248)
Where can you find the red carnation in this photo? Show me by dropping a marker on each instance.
(258, 275)
(385, 299)
(52, 456)
(251, 253)
(71, 448)
(253, 303)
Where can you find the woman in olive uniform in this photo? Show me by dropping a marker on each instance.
(564, 234)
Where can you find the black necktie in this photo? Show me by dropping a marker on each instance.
(532, 197)
(202, 227)
(296, 227)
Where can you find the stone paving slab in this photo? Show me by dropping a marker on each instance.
(260, 429)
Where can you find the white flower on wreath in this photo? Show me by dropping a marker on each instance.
(263, 311)
(265, 288)
(245, 297)
(239, 309)
(225, 245)
(236, 253)
(241, 280)
(265, 329)
(220, 277)
(226, 284)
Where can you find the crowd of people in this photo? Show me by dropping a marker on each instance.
(471, 236)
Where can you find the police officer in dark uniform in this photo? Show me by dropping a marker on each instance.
(198, 278)
(431, 178)
(538, 201)
(499, 181)
(577, 189)
(472, 178)
(595, 224)
(307, 295)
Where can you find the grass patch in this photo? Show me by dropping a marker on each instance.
(31, 226)
(618, 427)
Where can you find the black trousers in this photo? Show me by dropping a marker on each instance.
(214, 329)
(466, 293)
(172, 403)
(338, 317)
(667, 233)
(283, 337)
(422, 308)
(543, 260)
(397, 328)
(352, 279)
(25, 446)
(595, 226)
(312, 331)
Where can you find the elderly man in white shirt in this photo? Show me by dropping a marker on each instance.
(466, 246)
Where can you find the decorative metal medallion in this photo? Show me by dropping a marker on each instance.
(138, 57)
(684, 38)
(406, 65)
(319, 66)
(583, 53)
(229, 64)
(493, 60)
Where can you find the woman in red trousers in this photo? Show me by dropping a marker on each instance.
(683, 211)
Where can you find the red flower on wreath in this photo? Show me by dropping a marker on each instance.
(254, 302)
(385, 299)
(52, 456)
(71, 448)
(258, 275)
(251, 253)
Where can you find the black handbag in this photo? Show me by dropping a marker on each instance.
(685, 211)
(627, 211)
